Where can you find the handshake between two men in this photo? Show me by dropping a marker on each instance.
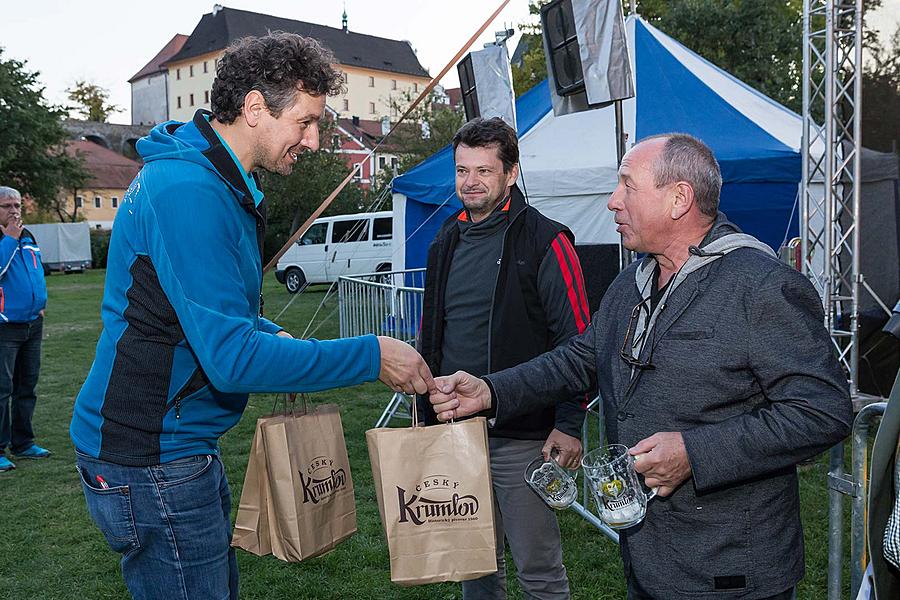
(661, 458)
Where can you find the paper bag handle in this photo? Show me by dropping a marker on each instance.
(288, 399)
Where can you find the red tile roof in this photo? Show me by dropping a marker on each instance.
(108, 169)
(156, 63)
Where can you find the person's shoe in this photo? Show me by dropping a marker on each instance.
(34, 452)
(6, 464)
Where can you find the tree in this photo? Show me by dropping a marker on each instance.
(292, 199)
(427, 129)
(92, 101)
(32, 138)
(881, 96)
(533, 69)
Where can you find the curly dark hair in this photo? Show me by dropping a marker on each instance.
(276, 65)
(483, 133)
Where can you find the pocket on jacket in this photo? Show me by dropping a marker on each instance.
(704, 333)
(709, 553)
(111, 511)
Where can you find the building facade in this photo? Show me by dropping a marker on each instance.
(100, 199)
(150, 86)
(379, 72)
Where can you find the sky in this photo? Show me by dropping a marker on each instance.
(106, 42)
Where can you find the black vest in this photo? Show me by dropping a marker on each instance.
(518, 324)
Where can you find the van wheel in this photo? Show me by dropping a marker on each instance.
(383, 268)
(294, 281)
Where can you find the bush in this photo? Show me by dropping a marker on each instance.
(99, 247)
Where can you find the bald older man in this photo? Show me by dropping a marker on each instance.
(23, 296)
(714, 368)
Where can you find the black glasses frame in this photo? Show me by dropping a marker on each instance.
(625, 352)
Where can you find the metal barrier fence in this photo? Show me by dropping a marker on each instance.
(387, 303)
(856, 486)
(390, 303)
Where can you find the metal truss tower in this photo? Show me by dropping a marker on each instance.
(831, 176)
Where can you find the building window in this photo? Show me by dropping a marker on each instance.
(178, 101)
(178, 74)
(382, 162)
(371, 81)
(79, 201)
(114, 202)
(205, 68)
(216, 63)
(415, 87)
(192, 99)
(371, 108)
(393, 84)
(191, 71)
(98, 202)
(206, 97)
(346, 105)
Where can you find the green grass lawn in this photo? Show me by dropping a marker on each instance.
(50, 549)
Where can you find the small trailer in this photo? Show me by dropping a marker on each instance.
(64, 247)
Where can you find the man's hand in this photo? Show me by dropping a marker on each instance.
(283, 333)
(14, 228)
(568, 449)
(402, 369)
(663, 461)
(459, 395)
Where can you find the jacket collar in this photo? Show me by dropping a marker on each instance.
(217, 154)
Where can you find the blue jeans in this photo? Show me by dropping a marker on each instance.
(20, 363)
(169, 522)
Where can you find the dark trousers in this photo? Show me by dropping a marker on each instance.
(20, 363)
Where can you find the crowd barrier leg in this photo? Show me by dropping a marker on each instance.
(854, 485)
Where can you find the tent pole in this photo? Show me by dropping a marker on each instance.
(626, 256)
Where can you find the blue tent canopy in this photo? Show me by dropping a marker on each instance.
(569, 162)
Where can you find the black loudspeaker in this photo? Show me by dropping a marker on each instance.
(467, 87)
(564, 58)
(586, 48)
(485, 83)
(600, 265)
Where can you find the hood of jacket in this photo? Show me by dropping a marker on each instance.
(195, 142)
(722, 238)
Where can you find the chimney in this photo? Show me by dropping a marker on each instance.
(385, 125)
(216, 9)
(355, 121)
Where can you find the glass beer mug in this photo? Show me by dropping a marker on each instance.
(552, 483)
(618, 492)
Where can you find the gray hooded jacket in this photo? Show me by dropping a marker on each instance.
(743, 367)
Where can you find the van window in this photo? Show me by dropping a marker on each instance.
(314, 235)
(383, 229)
(356, 230)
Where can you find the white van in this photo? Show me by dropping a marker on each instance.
(335, 246)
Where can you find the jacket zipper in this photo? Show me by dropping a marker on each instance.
(494, 292)
(182, 393)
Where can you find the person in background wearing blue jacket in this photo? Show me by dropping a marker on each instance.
(23, 296)
(183, 341)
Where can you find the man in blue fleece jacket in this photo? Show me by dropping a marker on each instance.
(183, 342)
(23, 296)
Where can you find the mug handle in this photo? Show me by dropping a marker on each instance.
(554, 453)
(652, 494)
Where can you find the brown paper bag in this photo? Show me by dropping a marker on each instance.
(436, 501)
(311, 502)
(306, 492)
(251, 527)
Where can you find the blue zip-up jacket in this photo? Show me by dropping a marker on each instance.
(23, 291)
(182, 342)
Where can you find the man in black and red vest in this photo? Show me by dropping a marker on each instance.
(504, 285)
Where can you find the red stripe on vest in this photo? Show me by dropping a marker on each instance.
(579, 276)
(570, 288)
